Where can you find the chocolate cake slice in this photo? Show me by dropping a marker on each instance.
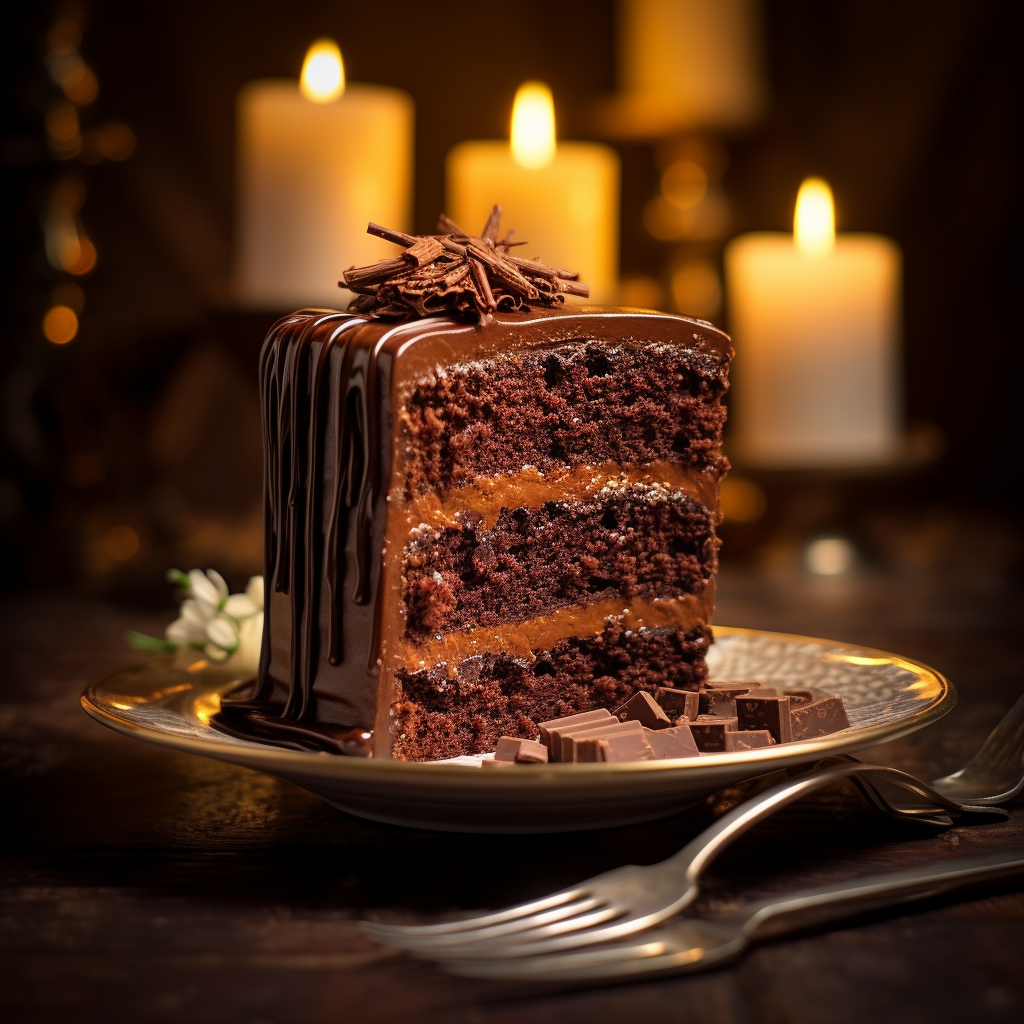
(471, 529)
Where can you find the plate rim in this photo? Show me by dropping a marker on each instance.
(287, 763)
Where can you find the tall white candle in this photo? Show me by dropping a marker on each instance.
(562, 199)
(316, 162)
(815, 318)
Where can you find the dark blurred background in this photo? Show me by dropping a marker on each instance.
(134, 446)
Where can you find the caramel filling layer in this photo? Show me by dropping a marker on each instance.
(520, 640)
(530, 488)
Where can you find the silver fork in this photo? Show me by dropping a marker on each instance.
(629, 899)
(687, 945)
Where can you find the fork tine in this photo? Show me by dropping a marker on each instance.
(524, 944)
(603, 926)
(467, 924)
(500, 934)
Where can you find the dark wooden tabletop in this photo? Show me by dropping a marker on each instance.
(146, 885)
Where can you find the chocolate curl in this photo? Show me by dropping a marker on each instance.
(455, 273)
(490, 231)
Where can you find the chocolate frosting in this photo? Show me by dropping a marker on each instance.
(336, 514)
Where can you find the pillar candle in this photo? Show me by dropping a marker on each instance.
(815, 319)
(562, 199)
(313, 169)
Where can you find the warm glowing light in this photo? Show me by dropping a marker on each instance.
(830, 556)
(742, 500)
(684, 184)
(323, 72)
(60, 324)
(121, 543)
(85, 260)
(533, 125)
(814, 223)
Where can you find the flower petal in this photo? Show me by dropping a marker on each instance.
(196, 613)
(223, 633)
(239, 606)
(218, 582)
(183, 632)
(254, 590)
(250, 640)
(203, 588)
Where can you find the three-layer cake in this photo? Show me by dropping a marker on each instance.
(472, 528)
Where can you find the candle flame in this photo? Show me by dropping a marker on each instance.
(323, 73)
(533, 125)
(814, 224)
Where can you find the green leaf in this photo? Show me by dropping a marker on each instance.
(141, 642)
(178, 578)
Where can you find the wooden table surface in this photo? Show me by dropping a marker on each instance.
(146, 885)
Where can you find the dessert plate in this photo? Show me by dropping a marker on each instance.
(886, 696)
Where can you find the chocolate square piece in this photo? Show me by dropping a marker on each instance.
(720, 698)
(674, 742)
(578, 745)
(748, 739)
(549, 730)
(643, 708)
(624, 746)
(767, 712)
(797, 698)
(678, 703)
(709, 732)
(507, 748)
(531, 752)
(826, 714)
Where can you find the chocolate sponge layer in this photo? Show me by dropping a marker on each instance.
(565, 405)
(495, 695)
(638, 542)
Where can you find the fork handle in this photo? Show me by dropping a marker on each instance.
(697, 854)
(812, 907)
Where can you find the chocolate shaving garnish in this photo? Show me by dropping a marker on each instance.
(456, 273)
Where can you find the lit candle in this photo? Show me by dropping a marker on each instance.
(815, 318)
(563, 199)
(317, 161)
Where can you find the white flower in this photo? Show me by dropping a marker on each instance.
(208, 588)
(225, 627)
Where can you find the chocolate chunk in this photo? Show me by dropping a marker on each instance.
(819, 717)
(490, 762)
(733, 684)
(643, 708)
(624, 747)
(767, 712)
(675, 742)
(720, 698)
(530, 752)
(577, 746)
(547, 728)
(507, 748)
(748, 739)
(797, 698)
(709, 732)
(678, 703)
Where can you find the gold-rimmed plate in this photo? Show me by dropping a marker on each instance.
(887, 696)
